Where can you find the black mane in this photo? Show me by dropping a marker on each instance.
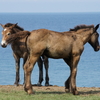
(82, 27)
(10, 24)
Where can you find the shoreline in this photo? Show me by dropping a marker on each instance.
(52, 89)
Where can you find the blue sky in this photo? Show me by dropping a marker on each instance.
(49, 5)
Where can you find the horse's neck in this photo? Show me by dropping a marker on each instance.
(19, 38)
(85, 36)
(18, 41)
(19, 44)
(21, 34)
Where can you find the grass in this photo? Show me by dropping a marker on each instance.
(21, 95)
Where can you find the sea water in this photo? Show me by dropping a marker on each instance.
(88, 67)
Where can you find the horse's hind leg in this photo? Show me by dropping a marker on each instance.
(46, 65)
(40, 65)
(67, 82)
(24, 61)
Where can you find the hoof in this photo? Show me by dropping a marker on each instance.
(75, 93)
(29, 89)
(15, 84)
(30, 92)
(47, 85)
(66, 90)
(38, 84)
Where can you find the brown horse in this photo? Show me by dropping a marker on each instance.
(66, 45)
(20, 51)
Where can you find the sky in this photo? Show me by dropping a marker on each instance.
(42, 6)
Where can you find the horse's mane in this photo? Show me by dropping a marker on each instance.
(21, 34)
(10, 24)
(18, 35)
(81, 27)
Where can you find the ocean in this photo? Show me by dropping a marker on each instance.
(89, 66)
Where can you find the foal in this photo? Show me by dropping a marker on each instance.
(66, 45)
(20, 51)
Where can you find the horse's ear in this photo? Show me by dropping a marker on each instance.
(96, 27)
(2, 26)
(14, 25)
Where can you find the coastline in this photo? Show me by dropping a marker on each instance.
(52, 89)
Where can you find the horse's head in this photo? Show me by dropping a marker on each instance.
(6, 34)
(93, 41)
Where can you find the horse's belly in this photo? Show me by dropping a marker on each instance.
(61, 53)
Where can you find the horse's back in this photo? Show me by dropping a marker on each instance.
(50, 37)
(53, 44)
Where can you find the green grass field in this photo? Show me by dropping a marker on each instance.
(21, 95)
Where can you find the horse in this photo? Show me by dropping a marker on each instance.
(67, 45)
(20, 51)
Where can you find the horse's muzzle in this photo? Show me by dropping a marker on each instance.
(97, 49)
(3, 45)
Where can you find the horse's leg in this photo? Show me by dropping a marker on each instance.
(24, 61)
(40, 65)
(17, 62)
(29, 65)
(46, 65)
(73, 71)
(68, 80)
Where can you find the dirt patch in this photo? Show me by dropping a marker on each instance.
(52, 89)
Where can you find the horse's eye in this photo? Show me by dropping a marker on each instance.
(8, 33)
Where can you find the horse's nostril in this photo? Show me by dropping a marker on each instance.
(3, 45)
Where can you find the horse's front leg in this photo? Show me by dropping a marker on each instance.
(71, 82)
(17, 62)
(28, 70)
